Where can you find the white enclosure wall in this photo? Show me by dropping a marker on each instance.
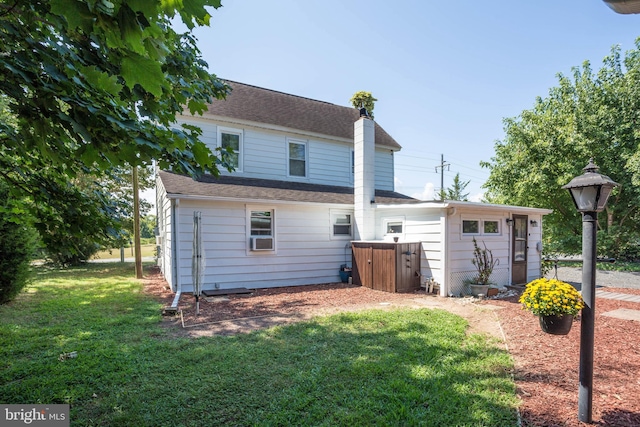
(419, 225)
(460, 248)
(164, 208)
(305, 252)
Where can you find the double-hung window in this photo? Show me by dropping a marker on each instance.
(261, 230)
(297, 158)
(261, 223)
(341, 224)
(230, 141)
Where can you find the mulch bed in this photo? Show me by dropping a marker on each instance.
(547, 366)
(546, 371)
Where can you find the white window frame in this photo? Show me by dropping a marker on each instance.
(233, 131)
(481, 222)
(497, 233)
(387, 221)
(306, 157)
(260, 208)
(333, 215)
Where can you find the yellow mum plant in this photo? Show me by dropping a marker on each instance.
(546, 297)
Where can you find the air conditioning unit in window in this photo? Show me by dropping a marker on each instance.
(262, 243)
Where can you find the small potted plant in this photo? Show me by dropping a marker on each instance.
(554, 302)
(345, 273)
(484, 262)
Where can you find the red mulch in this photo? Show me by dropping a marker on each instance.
(546, 371)
(547, 366)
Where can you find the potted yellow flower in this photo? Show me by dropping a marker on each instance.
(554, 302)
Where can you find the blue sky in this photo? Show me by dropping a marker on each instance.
(445, 73)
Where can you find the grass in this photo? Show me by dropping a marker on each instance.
(387, 368)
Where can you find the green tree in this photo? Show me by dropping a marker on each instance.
(92, 87)
(17, 245)
(148, 226)
(587, 115)
(456, 191)
(364, 99)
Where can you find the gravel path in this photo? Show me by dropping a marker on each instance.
(608, 279)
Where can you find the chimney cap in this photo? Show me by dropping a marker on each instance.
(363, 112)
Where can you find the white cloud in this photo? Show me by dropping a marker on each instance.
(476, 197)
(428, 192)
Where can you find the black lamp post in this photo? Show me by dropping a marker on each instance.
(590, 192)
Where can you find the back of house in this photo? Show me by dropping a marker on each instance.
(285, 215)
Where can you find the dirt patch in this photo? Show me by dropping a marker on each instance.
(264, 308)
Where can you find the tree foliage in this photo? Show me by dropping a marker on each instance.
(588, 115)
(91, 88)
(17, 242)
(456, 191)
(364, 99)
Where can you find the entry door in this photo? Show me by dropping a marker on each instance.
(519, 250)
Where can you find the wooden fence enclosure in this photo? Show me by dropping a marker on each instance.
(385, 266)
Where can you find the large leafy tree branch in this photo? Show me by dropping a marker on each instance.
(589, 114)
(89, 87)
(98, 83)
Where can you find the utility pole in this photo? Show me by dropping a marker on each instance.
(441, 167)
(136, 223)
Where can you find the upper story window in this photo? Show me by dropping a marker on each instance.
(297, 158)
(231, 139)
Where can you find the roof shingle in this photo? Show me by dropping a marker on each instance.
(256, 104)
(234, 187)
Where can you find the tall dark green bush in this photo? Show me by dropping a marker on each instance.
(17, 246)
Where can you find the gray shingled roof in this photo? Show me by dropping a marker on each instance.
(255, 104)
(234, 187)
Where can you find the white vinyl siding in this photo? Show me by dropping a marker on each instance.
(384, 169)
(265, 154)
(306, 253)
(165, 232)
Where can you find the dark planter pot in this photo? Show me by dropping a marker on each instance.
(556, 324)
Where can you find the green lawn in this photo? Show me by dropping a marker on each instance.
(387, 368)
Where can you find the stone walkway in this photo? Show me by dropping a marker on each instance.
(617, 295)
(621, 313)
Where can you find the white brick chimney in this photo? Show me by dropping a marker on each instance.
(364, 178)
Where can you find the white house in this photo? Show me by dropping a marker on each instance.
(311, 178)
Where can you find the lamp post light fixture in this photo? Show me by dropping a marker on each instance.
(590, 192)
(624, 6)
